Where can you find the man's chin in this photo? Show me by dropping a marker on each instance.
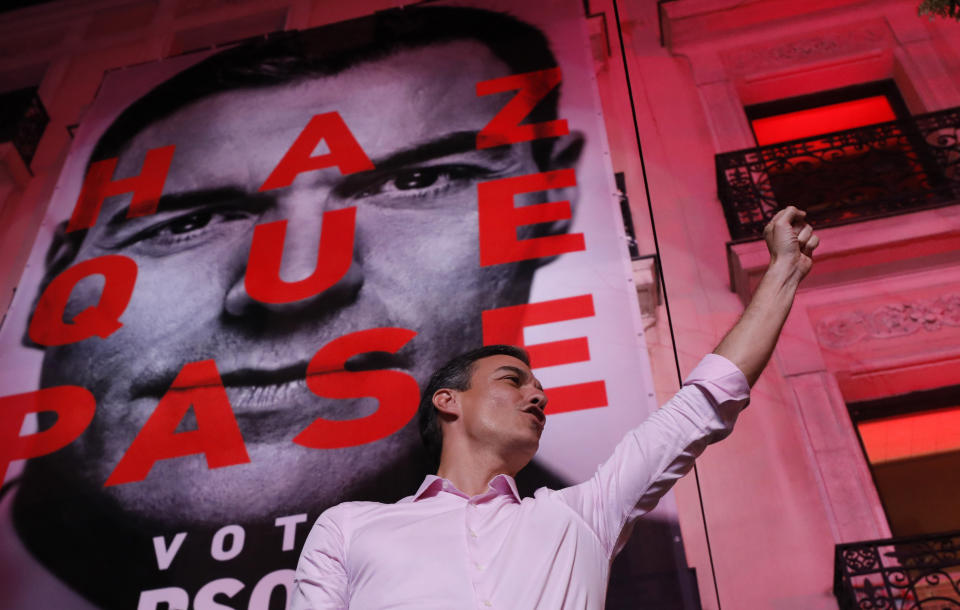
(191, 494)
(185, 491)
(280, 479)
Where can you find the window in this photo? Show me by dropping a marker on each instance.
(821, 113)
(814, 161)
(844, 155)
(912, 444)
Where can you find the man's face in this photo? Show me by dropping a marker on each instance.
(415, 266)
(504, 408)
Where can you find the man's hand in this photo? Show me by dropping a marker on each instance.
(750, 342)
(791, 241)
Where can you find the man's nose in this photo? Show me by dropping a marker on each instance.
(539, 399)
(295, 265)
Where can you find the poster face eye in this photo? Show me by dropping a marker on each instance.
(407, 186)
(166, 234)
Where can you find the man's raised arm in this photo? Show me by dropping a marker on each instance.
(659, 451)
(750, 342)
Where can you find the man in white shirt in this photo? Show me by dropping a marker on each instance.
(466, 539)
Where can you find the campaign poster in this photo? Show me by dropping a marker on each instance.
(254, 259)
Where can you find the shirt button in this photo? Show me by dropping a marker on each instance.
(473, 534)
(480, 566)
(487, 603)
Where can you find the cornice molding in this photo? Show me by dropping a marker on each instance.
(810, 48)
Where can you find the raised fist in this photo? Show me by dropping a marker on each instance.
(791, 241)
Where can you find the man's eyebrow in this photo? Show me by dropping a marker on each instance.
(454, 143)
(187, 201)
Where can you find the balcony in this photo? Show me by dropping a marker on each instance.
(845, 176)
(899, 573)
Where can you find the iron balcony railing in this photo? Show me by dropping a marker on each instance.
(844, 176)
(910, 573)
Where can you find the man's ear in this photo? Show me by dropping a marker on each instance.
(447, 402)
(62, 251)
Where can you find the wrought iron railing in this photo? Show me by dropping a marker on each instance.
(914, 573)
(844, 176)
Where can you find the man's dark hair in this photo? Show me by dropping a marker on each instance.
(287, 57)
(455, 375)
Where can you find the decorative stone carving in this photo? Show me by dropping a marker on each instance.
(824, 45)
(889, 321)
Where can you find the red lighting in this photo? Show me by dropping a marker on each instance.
(823, 119)
(913, 435)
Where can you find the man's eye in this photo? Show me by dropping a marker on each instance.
(190, 230)
(416, 179)
(420, 183)
(193, 224)
(189, 223)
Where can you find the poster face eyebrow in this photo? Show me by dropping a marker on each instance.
(450, 144)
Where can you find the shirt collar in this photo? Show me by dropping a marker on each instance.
(500, 485)
(431, 486)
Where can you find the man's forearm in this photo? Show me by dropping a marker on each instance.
(749, 344)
